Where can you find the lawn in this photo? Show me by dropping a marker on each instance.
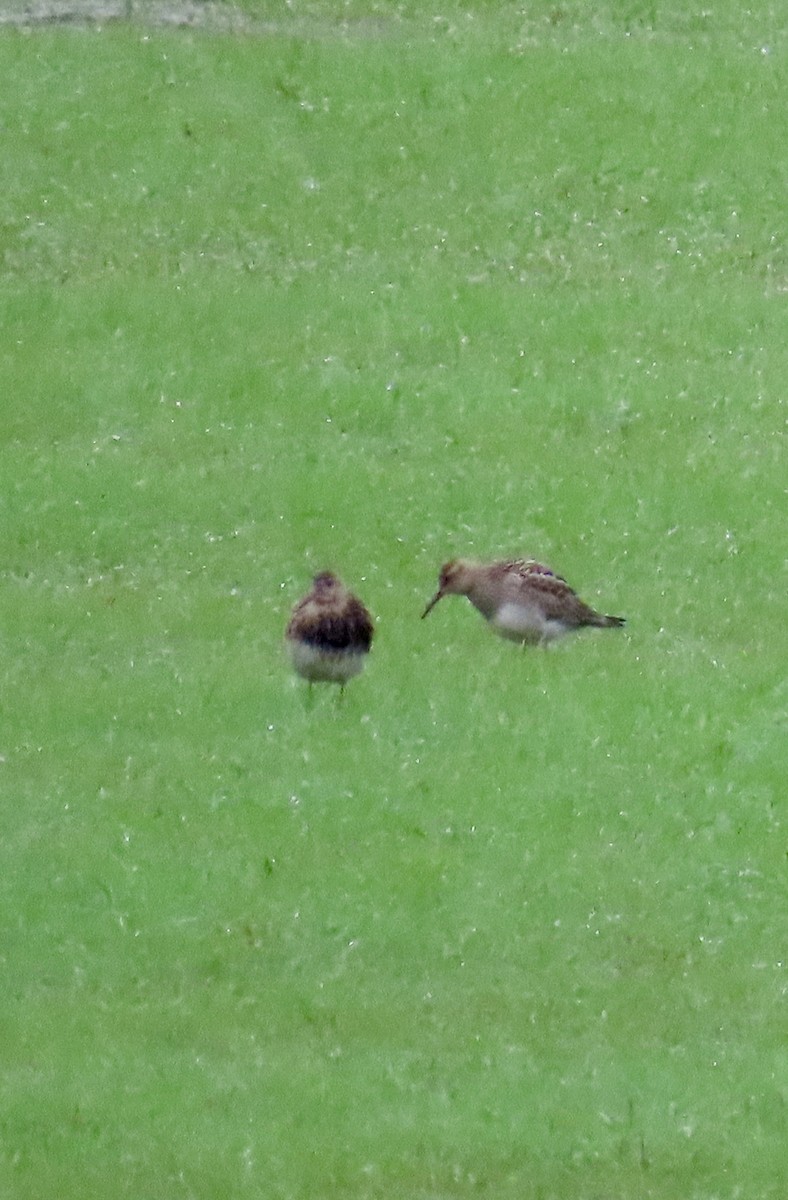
(366, 287)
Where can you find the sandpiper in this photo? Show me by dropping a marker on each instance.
(522, 600)
(329, 633)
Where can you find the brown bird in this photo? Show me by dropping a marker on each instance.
(522, 600)
(329, 633)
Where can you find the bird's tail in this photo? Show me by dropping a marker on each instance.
(604, 622)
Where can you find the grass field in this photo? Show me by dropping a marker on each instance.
(367, 293)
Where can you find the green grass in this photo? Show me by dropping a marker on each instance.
(365, 295)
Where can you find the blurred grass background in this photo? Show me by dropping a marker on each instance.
(365, 288)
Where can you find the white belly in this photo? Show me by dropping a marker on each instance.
(325, 666)
(525, 623)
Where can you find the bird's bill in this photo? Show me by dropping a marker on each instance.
(432, 603)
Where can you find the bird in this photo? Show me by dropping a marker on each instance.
(329, 633)
(522, 600)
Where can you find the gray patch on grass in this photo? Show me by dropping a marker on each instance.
(90, 12)
(191, 14)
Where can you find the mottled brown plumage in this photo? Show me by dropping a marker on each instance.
(521, 599)
(329, 633)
